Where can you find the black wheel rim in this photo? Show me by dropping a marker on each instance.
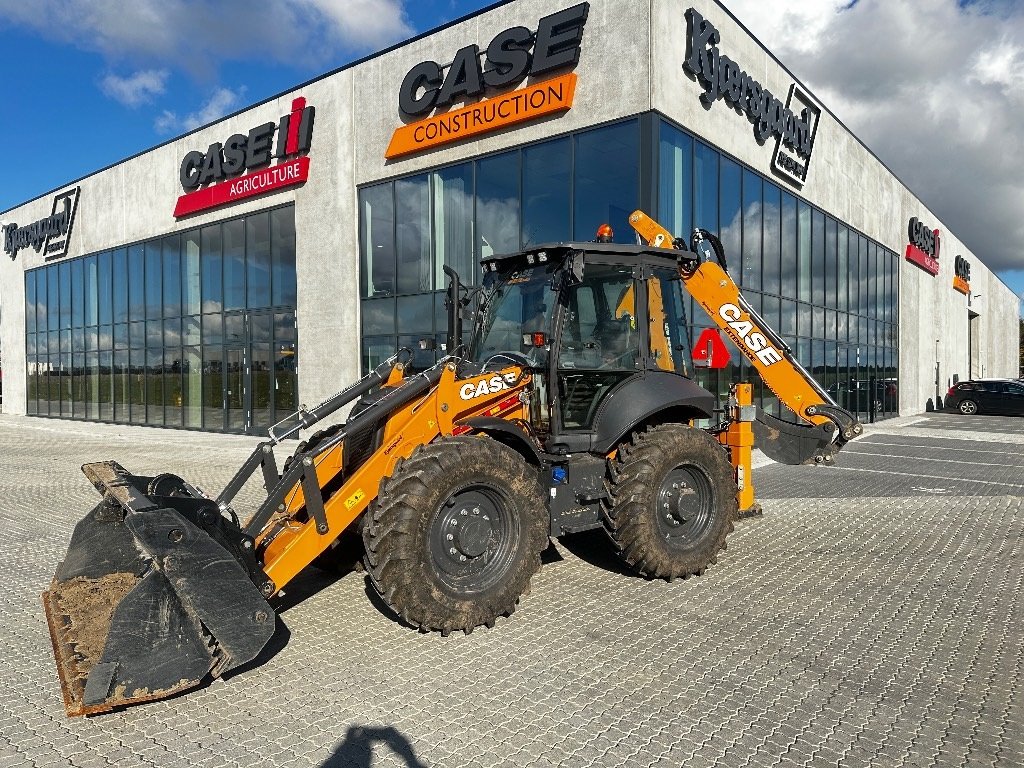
(684, 506)
(474, 536)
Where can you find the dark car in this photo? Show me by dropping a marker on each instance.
(987, 396)
(856, 394)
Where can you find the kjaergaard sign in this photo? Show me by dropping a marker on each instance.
(240, 167)
(50, 235)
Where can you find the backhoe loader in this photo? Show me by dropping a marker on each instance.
(571, 408)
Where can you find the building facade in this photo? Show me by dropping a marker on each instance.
(218, 280)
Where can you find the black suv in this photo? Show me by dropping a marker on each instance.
(987, 396)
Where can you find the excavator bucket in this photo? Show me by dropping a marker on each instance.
(156, 594)
(789, 443)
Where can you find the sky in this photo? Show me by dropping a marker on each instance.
(934, 87)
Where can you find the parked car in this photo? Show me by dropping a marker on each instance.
(987, 396)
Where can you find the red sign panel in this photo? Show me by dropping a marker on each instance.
(280, 176)
(710, 351)
(916, 256)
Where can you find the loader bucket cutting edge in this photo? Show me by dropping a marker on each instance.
(147, 604)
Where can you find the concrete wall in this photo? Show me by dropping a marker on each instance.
(631, 62)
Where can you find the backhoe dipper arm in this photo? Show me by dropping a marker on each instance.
(830, 426)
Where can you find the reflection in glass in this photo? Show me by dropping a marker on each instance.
(213, 387)
(211, 269)
(771, 275)
(257, 259)
(282, 233)
(790, 258)
(64, 279)
(705, 187)
(752, 226)
(261, 382)
(453, 223)
(192, 387)
(412, 218)
(233, 252)
(120, 291)
(606, 170)
(154, 386)
(191, 274)
(675, 181)
(818, 256)
(804, 250)
(136, 282)
(546, 197)
(377, 241)
(154, 270)
(173, 397)
(731, 211)
(497, 205)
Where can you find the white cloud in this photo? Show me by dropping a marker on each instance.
(135, 89)
(935, 88)
(221, 102)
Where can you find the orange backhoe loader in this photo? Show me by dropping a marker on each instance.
(571, 408)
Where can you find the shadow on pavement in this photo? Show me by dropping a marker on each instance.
(594, 547)
(356, 751)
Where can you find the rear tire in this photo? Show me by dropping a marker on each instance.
(673, 501)
(968, 407)
(456, 534)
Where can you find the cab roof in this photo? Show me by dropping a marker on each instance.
(556, 251)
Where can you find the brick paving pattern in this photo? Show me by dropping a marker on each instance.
(873, 616)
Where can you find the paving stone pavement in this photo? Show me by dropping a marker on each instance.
(873, 616)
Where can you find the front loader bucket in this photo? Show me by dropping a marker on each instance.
(151, 599)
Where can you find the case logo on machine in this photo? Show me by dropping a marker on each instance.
(721, 77)
(923, 246)
(511, 56)
(962, 275)
(50, 235)
(222, 166)
(493, 385)
(753, 340)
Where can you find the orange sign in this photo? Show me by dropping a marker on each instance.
(959, 284)
(545, 98)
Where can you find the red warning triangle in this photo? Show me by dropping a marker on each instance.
(710, 351)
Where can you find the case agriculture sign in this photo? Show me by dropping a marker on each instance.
(923, 248)
(51, 235)
(240, 167)
(510, 57)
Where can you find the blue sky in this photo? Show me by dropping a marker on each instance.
(89, 82)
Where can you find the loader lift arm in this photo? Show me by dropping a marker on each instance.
(702, 270)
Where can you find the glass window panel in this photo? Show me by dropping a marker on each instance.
(53, 298)
(770, 311)
(172, 332)
(705, 187)
(136, 283)
(173, 398)
(818, 322)
(261, 326)
(788, 323)
(818, 256)
(257, 259)
(119, 386)
(190, 329)
(105, 287)
(92, 338)
(234, 329)
(92, 385)
(855, 274)
(171, 301)
(106, 337)
(377, 241)
(77, 340)
(213, 387)
(213, 328)
(771, 275)
(65, 340)
(155, 333)
(233, 250)
(805, 320)
(119, 276)
(894, 297)
(41, 298)
(106, 386)
(137, 334)
(377, 350)
(416, 314)
(842, 269)
(32, 386)
(752, 226)
(282, 255)
(790, 259)
(284, 326)
(262, 381)
(211, 268)
(412, 203)
(453, 223)
(546, 212)
(137, 385)
(155, 386)
(191, 275)
(154, 280)
(285, 379)
(830, 262)
(879, 275)
(64, 278)
(606, 170)
(30, 303)
(121, 336)
(804, 250)
(192, 387)
(497, 204)
(675, 180)
(732, 213)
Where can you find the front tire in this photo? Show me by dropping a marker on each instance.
(673, 501)
(968, 407)
(456, 533)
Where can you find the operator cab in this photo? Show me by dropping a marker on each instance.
(586, 319)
